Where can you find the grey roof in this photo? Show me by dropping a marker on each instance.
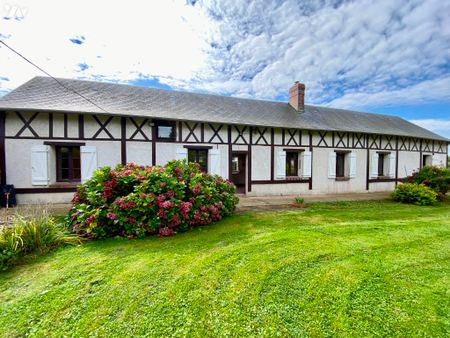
(44, 93)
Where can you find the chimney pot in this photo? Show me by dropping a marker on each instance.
(297, 96)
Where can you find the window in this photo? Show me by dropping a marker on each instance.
(199, 156)
(68, 164)
(291, 163)
(166, 130)
(381, 164)
(235, 165)
(340, 164)
(427, 160)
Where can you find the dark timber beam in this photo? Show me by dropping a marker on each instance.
(123, 140)
(272, 154)
(249, 184)
(153, 143)
(367, 162)
(312, 158)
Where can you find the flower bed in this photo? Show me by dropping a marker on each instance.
(135, 201)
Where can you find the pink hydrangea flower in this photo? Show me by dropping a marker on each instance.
(175, 221)
(196, 189)
(90, 219)
(166, 232)
(166, 204)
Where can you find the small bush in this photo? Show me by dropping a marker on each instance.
(37, 235)
(135, 201)
(435, 177)
(299, 200)
(414, 193)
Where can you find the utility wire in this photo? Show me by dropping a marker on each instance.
(58, 81)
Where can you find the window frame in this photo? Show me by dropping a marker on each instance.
(234, 165)
(338, 174)
(59, 168)
(166, 123)
(381, 164)
(197, 150)
(424, 159)
(288, 164)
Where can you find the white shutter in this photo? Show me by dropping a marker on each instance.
(392, 165)
(281, 164)
(332, 165)
(352, 164)
(214, 162)
(435, 160)
(182, 154)
(39, 165)
(306, 164)
(374, 167)
(88, 162)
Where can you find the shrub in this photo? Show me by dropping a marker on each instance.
(414, 193)
(299, 200)
(135, 201)
(435, 177)
(37, 235)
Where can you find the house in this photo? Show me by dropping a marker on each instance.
(55, 133)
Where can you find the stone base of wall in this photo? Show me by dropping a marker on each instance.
(51, 198)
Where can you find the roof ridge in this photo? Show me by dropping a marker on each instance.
(161, 89)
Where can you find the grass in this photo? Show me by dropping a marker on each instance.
(334, 269)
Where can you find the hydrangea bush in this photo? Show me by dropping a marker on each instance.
(435, 177)
(134, 201)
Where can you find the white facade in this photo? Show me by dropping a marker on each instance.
(277, 161)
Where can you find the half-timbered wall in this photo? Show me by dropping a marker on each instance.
(131, 139)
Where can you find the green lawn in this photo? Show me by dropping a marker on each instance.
(339, 269)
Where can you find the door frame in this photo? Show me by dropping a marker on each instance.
(246, 153)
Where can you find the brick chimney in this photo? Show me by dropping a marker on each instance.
(297, 96)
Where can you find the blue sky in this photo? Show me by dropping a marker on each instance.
(382, 56)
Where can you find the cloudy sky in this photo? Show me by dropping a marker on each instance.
(380, 56)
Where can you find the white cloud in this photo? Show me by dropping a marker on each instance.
(429, 90)
(161, 39)
(439, 126)
(350, 54)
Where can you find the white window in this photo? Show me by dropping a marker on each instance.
(383, 165)
(293, 164)
(342, 164)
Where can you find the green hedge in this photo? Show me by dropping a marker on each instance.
(414, 193)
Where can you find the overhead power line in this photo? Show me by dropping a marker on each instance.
(58, 81)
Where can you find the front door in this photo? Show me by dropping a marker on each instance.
(238, 171)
